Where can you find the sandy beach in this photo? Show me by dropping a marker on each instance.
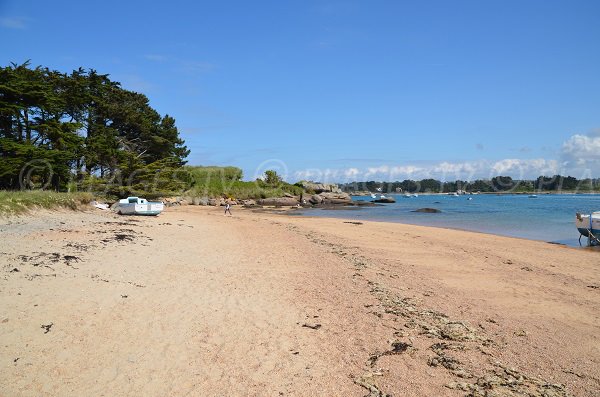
(195, 303)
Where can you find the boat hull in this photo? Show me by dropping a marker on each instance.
(150, 209)
(584, 231)
(582, 222)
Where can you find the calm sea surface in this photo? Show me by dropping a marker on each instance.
(549, 217)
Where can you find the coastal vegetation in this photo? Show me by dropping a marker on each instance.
(82, 131)
(227, 181)
(15, 203)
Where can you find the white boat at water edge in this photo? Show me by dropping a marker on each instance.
(589, 223)
(533, 196)
(138, 206)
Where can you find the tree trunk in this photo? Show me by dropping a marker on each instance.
(19, 127)
(27, 126)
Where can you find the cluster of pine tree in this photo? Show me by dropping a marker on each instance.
(82, 130)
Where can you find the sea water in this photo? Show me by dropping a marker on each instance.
(549, 217)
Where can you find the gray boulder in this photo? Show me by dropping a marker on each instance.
(200, 201)
(335, 198)
(315, 199)
(428, 210)
(320, 187)
(278, 201)
(216, 201)
(385, 200)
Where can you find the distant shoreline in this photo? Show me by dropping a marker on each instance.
(363, 194)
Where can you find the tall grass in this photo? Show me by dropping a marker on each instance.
(19, 202)
(226, 181)
(241, 190)
(201, 174)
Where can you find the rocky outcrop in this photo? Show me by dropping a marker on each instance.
(428, 210)
(320, 187)
(315, 199)
(200, 201)
(335, 198)
(172, 201)
(279, 201)
(216, 201)
(384, 200)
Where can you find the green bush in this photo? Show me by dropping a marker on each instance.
(203, 174)
(226, 182)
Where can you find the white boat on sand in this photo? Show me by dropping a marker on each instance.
(138, 206)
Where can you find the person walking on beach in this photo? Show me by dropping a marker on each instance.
(227, 208)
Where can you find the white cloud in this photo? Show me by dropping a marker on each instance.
(311, 174)
(580, 157)
(524, 168)
(351, 173)
(460, 170)
(407, 170)
(582, 151)
(371, 171)
(444, 171)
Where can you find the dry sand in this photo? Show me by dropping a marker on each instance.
(193, 303)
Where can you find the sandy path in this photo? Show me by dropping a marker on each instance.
(202, 304)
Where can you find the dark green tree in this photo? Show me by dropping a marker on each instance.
(79, 125)
(272, 178)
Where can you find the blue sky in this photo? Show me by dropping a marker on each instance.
(348, 90)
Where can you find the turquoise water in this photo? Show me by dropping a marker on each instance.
(549, 217)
